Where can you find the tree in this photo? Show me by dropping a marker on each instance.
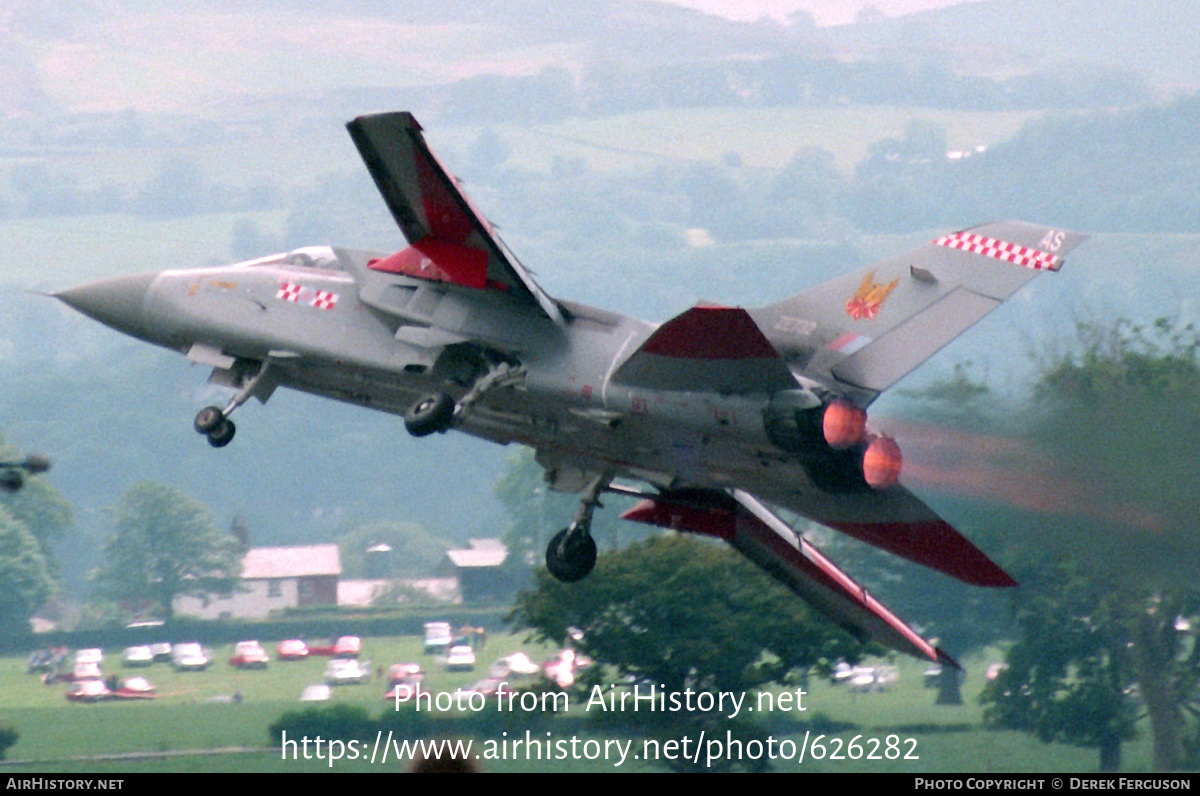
(1111, 597)
(682, 613)
(38, 505)
(8, 737)
(165, 545)
(1069, 678)
(415, 551)
(25, 580)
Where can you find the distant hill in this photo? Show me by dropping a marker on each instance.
(1157, 40)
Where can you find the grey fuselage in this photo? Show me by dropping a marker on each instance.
(330, 325)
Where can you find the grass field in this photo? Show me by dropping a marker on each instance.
(184, 730)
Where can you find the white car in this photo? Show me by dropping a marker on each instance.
(95, 656)
(316, 693)
(190, 657)
(461, 658)
(438, 637)
(516, 666)
(137, 656)
(347, 671)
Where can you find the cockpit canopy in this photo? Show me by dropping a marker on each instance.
(319, 257)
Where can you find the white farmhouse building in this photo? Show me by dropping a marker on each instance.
(274, 578)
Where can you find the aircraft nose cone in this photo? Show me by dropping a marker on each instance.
(117, 302)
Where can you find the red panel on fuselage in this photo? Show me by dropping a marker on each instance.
(439, 261)
(710, 333)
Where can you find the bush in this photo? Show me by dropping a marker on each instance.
(335, 721)
(8, 737)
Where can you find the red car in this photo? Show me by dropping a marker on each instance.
(292, 650)
(400, 672)
(344, 647)
(88, 691)
(135, 688)
(249, 655)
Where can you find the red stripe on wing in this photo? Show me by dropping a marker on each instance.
(932, 543)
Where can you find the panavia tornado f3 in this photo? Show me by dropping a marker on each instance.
(721, 416)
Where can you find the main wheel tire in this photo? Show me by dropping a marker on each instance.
(570, 557)
(222, 435)
(431, 414)
(208, 419)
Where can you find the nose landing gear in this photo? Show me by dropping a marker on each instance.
(213, 421)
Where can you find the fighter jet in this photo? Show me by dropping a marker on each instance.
(722, 419)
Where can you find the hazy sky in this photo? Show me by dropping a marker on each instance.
(825, 12)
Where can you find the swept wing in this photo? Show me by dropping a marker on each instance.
(450, 241)
(759, 534)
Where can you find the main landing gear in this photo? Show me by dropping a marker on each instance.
(433, 413)
(571, 554)
(436, 412)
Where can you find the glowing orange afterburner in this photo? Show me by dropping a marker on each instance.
(843, 425)
(881, 463)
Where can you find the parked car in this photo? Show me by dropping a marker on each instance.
(347, 647)
(249, 655)
(410, 672)
(40, 661)
(94, 655)
(316, 693)
(135, 688)
(438, 636)
(190, 657)
(461, 658)
(88, 691)
(344, 647)
(292, 650)
(513, 667)
(137, 656)
(162, 652)
(347, 671)
(86, 671)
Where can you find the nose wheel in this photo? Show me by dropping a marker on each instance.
(212, 423)
(251, 379)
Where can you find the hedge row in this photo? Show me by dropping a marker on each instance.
(306, 624)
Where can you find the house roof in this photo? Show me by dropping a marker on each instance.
(291, 562)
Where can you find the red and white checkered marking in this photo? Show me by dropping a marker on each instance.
(298, 294)
(289, 292)
(1009, 252)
